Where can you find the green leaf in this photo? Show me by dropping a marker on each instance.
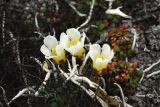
(110, 16)
(117, 49)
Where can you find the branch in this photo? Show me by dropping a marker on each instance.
(146, 95)
(84, 63)
(4, 96)
(88, 91)
(122, 94)
(57, 6)
(46, 77)
(44, 82)
(3, 28)
(71, 4)
(135, 36)
(103, 82)
(118, 12)
(73, 61)
(37, 26)
(20, 93)
(69, 65)
(110, 3)
(150, 67)
(153, 73)
(89, 16)
(36, 22)
(84, 79)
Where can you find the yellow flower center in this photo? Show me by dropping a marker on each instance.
(59, 59)
(73, 42)
(53, 52)
(103, 57)
(80, 53)
(101, 66)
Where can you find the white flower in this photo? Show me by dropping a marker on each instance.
(100, 56)
(52, 50)
(73, 42)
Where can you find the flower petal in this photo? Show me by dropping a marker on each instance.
(76, 50)
(73, 33)
(93, 54)
(98, 61)
(95, 47)
(64, 40)
(111, 55)
(106, 61)
(45, 51)
(50, 42)
(72, 49)
(106, 50)
(99, 65)
(94, 51)
(60, 50)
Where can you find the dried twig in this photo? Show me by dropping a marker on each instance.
(141, 78)
(150, 67)
(40, 34)
(37, 26)
(146, 95)
(20, 93)
(36, 22)
(103, 82)
(146, 49)
(44, 82)
(135, 36)
(46, 77)
(89, 16)
(122, 94)
(153, 73)
(145, 9)
(117, 11)
(18, 59)
(110, 3)
(4, 96)
(3, 28)
(56, 5)
(71, 4)
(74, 64)
(13, 39)
(84, 63)
(88, 91)
(69, 65)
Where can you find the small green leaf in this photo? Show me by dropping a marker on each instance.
(117, 49)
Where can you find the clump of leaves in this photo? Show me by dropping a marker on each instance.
(121, 41)
(121, 70)
(126, 74)
(119, 35)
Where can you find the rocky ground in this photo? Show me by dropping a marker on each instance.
(19, 21)
(148, 52)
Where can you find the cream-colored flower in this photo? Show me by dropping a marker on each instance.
(73, 42)
(52, 50)
(100, 56)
